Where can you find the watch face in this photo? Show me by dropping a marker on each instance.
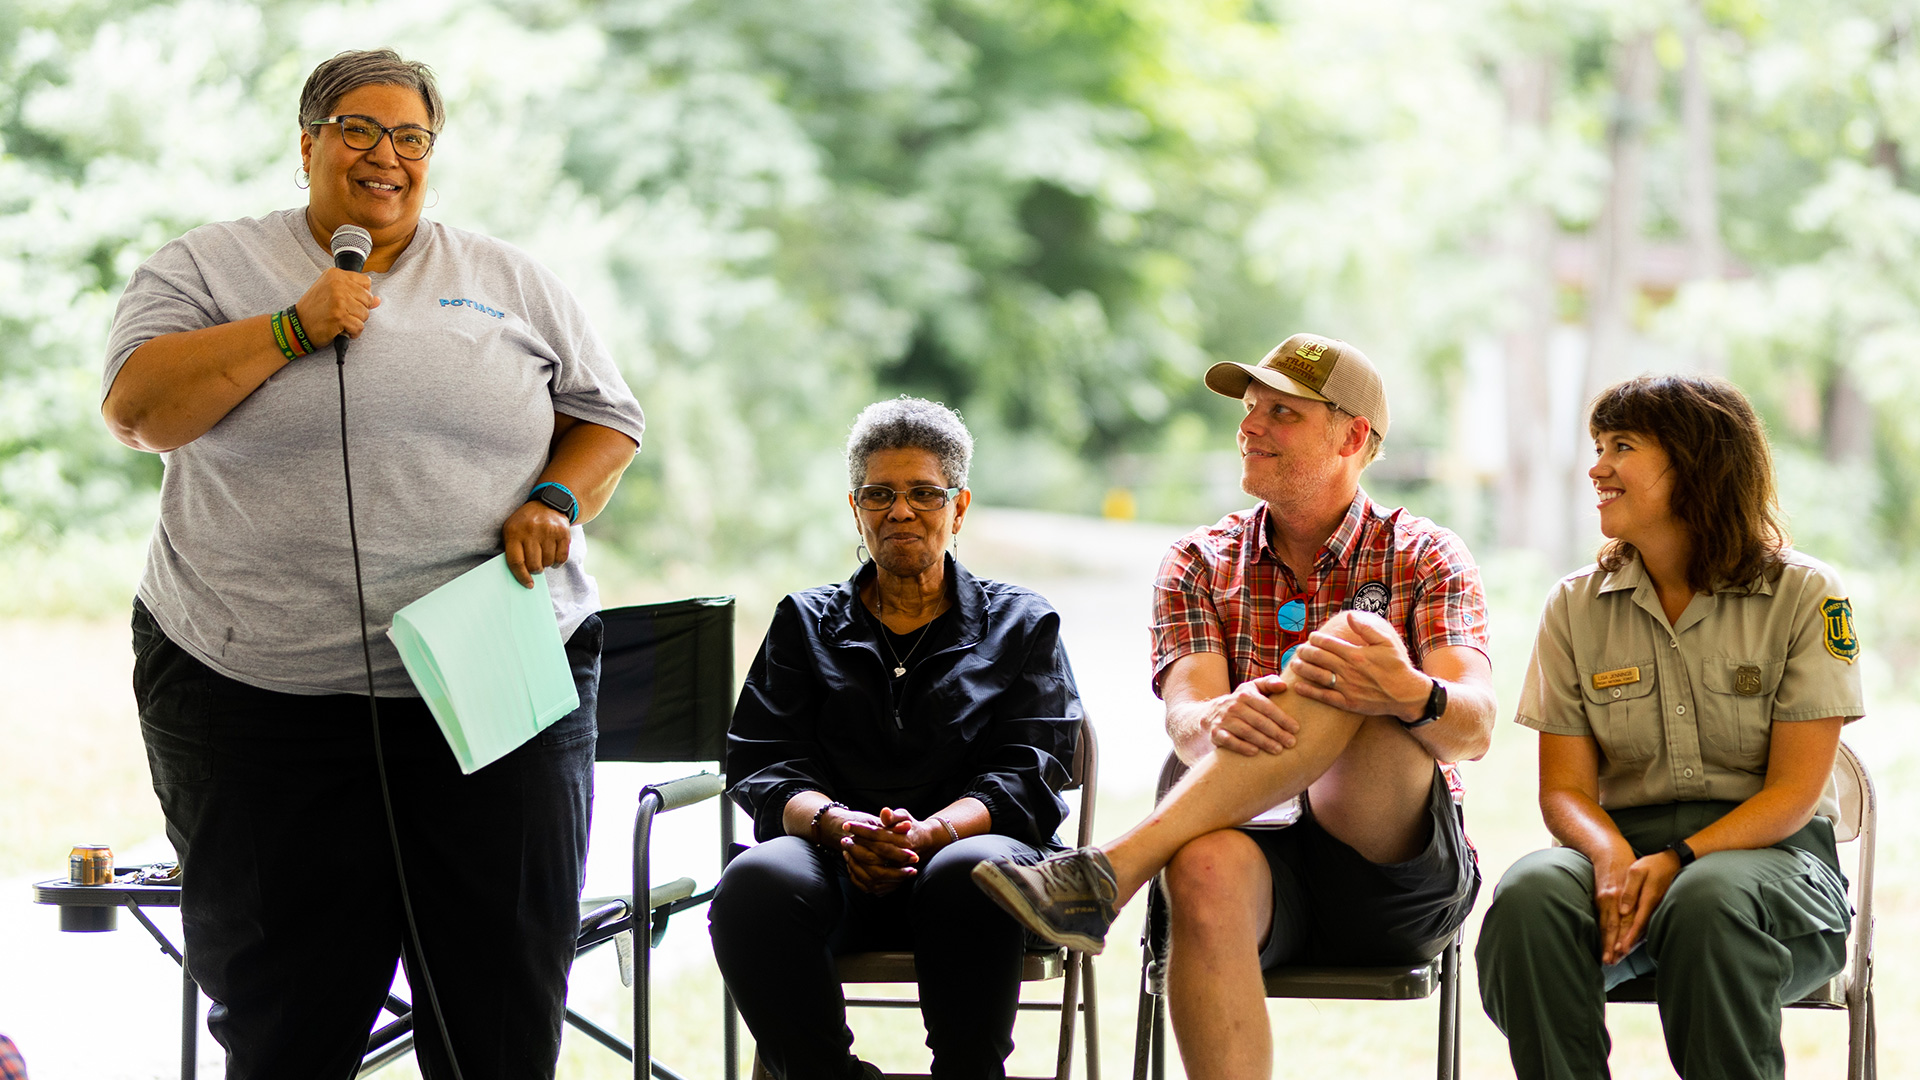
(559, 500)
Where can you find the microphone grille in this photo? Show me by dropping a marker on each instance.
(352, 238)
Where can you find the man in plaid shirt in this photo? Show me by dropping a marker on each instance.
(1319, 657)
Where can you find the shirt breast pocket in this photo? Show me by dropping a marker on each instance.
(1625, 717)
(1736, 712)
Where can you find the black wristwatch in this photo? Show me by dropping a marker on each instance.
(1684, 850)
(1436, 706)
(558, 497)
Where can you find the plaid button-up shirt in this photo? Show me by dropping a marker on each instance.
(11, 1067)
(1220, 590)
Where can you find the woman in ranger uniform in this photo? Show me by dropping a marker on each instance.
(1689, 691)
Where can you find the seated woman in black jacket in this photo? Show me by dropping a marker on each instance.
(894, 730)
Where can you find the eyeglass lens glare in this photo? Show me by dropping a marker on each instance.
(876, 497)
(1293, 615)
(1292, 619)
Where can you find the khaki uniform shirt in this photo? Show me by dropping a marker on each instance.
(1683, 712)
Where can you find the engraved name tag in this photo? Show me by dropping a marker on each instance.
(1616, 677)
(1746, 680)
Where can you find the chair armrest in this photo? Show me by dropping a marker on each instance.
(687, 790)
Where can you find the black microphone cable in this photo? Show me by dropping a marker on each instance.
(351, 245)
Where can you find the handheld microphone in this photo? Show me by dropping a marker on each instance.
(351, 245)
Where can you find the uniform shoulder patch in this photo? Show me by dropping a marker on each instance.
(1842, 641)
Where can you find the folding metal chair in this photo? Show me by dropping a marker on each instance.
(1041, 965)
(1393, 982)
(1852, 988)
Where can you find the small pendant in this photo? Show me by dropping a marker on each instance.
(899, 671)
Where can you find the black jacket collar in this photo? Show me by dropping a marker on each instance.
(841, 623)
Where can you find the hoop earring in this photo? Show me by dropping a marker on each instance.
(435, 192)
(300, 178)
(860, 553)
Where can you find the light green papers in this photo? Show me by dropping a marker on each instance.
(485, 654)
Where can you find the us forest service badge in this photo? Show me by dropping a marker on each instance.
(1842, 641)
(1372, 598)
(1746, 680)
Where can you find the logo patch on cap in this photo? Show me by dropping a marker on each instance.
(1308, 364)
(1842, 642)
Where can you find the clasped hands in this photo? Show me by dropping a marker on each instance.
(1626, 891)
(1360, 667)
(884, 852)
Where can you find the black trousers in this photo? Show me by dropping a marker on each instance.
(784, 910)
(290, 903)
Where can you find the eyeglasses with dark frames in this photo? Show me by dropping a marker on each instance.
(410, 141)
(881, 497)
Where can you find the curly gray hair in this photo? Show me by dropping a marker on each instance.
(910, 423)
(356, 68)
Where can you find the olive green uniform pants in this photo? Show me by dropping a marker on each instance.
(1739, 934)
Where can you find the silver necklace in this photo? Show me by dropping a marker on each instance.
(899, 662)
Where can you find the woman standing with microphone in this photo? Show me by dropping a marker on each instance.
(483, 414)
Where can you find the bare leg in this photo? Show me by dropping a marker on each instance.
(1369, 780)
(1372, 776)
(1221, 894)
(1373, 798)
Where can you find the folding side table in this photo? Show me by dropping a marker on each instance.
(88, 909)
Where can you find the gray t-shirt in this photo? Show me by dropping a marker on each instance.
(451, 395)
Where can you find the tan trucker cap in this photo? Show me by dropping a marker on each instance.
(1322, 368)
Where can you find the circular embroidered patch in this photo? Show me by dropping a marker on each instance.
(1372, 598)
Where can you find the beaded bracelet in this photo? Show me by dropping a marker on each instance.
(813, 827)
(299, 332)
(278, 322)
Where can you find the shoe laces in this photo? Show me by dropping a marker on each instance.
(1077, 875)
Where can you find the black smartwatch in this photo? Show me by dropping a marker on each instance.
(1684, 850)
(1436, 706)
(558, 497)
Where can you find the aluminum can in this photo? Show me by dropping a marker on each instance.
(90, 864)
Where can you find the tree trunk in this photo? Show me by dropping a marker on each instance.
(1702, 176)
(1529, 498)
(1847, 435)
(1614, 288)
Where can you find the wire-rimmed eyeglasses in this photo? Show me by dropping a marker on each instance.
(410, 141)
(881, 497)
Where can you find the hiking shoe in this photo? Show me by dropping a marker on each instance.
(1066, 898)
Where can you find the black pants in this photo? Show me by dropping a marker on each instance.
(290, 903)
(784, 910)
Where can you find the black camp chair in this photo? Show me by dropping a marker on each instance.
(666, 694)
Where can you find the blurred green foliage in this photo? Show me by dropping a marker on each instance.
(1050, 213)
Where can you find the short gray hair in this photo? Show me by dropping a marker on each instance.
(910, 423)
(351, 70)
